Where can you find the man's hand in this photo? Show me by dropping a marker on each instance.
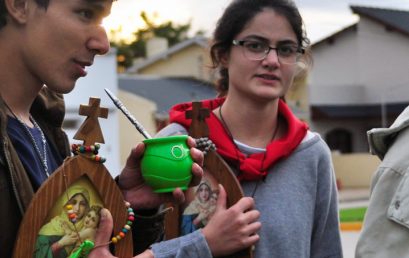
(102, 239)
(139, 194)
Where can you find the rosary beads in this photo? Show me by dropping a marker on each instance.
(93, 149)
(205, 144)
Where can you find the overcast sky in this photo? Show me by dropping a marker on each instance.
(322, 17)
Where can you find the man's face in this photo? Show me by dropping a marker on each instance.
(63, 39)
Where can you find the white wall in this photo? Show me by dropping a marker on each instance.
(384, 67)
(363, 66)
(101, 75)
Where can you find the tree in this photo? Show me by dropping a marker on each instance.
(173, 33)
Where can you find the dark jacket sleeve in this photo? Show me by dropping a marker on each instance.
(148, 228)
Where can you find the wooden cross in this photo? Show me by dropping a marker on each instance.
(76, 171)
(217, 167)
(90, 131)
(198, 127)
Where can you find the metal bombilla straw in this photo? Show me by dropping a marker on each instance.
(130, 117)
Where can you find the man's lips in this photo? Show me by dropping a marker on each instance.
(80, 65)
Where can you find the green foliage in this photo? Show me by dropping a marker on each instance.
(352, 214)
(173, 33)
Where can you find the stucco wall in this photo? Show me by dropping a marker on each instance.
(355, 170)
(192, 61)
(143, 111)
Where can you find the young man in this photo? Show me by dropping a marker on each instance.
(45, 46)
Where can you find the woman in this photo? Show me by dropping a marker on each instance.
(257, 50)
(52, 240)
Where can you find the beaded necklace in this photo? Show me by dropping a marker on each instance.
(42, 156)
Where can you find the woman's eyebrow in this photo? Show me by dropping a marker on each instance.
(265, 40)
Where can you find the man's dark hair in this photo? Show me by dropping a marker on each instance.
(3, 10)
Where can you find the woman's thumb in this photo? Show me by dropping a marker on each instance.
(221, 199)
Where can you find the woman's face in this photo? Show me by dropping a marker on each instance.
(79, 205)
(91, 219)
(265, 79)
(204, 193)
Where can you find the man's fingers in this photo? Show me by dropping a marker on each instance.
(103, 236)
(178, 196)
(197, 174)
(135, 155)
(197, 156)
(105, 227)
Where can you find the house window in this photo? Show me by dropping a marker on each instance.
(339, 140)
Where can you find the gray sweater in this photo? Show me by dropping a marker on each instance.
(297, 202)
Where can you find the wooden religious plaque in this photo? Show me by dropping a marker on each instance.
(200, 200)
(85, 185)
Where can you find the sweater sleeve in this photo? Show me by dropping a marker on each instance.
(191, 245)
(326, 239)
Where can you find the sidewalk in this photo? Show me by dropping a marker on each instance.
(351, 198)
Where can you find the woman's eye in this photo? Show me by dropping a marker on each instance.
(286, 50)
(255, 46)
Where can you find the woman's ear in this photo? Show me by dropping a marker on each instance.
(17, 10)
(224, 59)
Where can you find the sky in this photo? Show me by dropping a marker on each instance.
(321, 17)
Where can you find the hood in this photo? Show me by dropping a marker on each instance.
(380, 139)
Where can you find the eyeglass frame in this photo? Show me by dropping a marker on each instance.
(241, 43)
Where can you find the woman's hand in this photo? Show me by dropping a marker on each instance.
(233, 229)
(139, 194)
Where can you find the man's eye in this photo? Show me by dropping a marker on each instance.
(88, 14)
(255, 46)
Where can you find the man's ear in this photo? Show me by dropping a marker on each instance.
(17, 9)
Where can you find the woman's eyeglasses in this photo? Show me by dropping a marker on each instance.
(258, 50)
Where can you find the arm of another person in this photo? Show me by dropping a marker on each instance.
(229, 230)
(385, 231)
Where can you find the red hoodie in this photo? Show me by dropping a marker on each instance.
(254, 166)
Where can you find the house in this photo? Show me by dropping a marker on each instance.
(188, 58)
(360, 78)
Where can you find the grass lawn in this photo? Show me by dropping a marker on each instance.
(352, 214)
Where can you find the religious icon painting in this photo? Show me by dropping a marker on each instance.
(63, 216)
(59, 235)
(201, 200)
(200, 205)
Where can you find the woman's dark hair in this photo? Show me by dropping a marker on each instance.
(3, 10)
(235, 17)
